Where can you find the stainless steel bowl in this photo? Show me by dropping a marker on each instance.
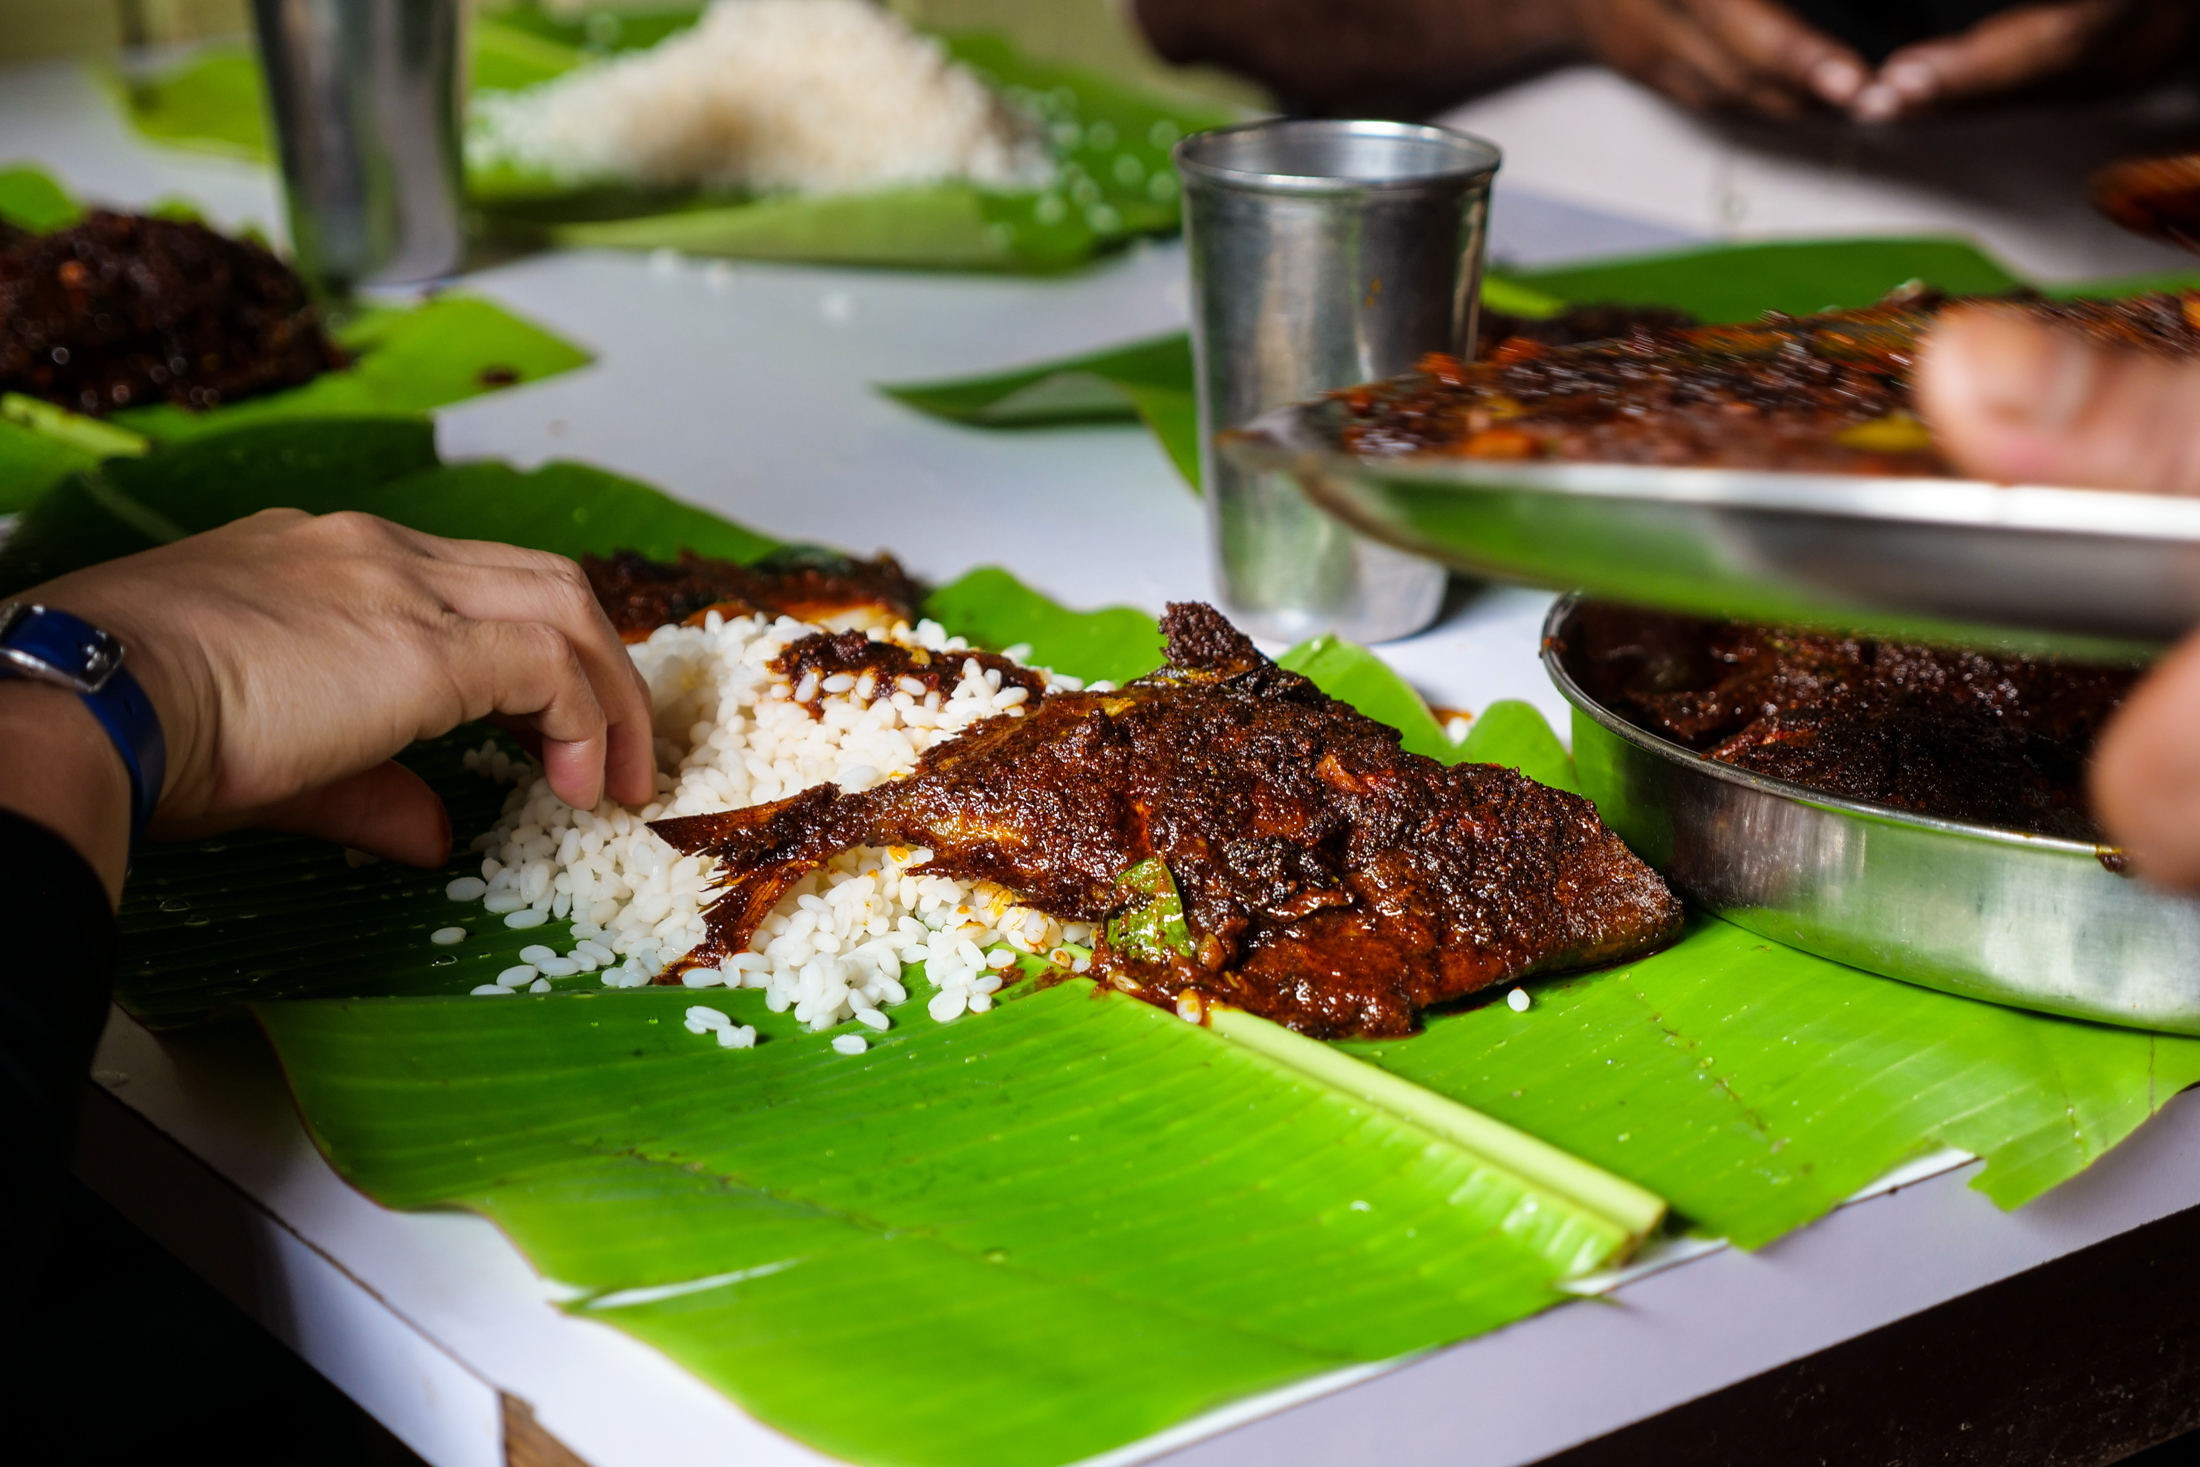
(2082, 571)
(2019, 919)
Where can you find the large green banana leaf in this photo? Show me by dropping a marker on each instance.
(1109, 140)
(1023, 1238)
(385, 465)
(1028, 1236)
(1150, 381)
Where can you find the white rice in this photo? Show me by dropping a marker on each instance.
(801, 96)
(731, 733)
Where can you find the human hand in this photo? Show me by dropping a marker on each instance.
(2014, 401)
(290, 656)
(2108, 43)
(1753, 56)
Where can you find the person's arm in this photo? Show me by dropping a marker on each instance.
(64, 837)
(2011, 401)
(60, 771)
(2068, 46)
(1410, 57)
(1756, 57)
(288, 659)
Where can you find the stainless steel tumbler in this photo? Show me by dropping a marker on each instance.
(1322, 254)
(364, 97)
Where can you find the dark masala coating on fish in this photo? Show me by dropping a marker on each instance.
(1599, 321)
(1827, 393)
(1328, 879)
(123, 311)
(641, 595)
(1959, 735)
(914, 670)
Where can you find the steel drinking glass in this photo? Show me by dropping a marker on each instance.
(1322, 254)
(364, 95)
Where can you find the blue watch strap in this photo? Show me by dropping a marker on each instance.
(46, 645)
(127, 714)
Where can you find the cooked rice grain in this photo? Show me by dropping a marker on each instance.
(801, 96)
(731, 733)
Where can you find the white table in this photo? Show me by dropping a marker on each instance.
(746, 390)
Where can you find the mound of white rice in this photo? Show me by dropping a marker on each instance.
(731, 733)
(802, 96)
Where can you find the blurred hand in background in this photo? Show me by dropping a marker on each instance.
(2020, 403)
(1875, 60)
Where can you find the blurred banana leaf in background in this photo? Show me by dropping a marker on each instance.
(1110, 142)
(405, 360)
(1146, 382)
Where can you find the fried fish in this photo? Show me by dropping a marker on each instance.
(1240, 836)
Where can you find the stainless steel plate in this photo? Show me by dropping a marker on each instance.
(2027, 920)
(2084, 571)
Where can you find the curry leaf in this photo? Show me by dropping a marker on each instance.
(1148, 924)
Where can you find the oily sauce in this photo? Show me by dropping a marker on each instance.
(1959, 735)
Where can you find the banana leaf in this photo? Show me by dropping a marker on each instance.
(1033, 1235)
(211, 103)
(994, 609)
(1110, 143)
(41, 444)
(385, 466)
(1109, 140)
(408, 359)
(1025, 1238)
(1508, 732)
(1350, 672)
(1150, 381)
(31, 198)
(1146, 381)
(1739, 282)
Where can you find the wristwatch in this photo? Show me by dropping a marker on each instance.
(50, 646)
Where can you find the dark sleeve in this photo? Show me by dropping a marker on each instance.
(56, 972)
(1369, 58)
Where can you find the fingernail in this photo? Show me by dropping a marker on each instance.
(1876, 103)
(1837, 80)
(1912, 81)
(2027, 376)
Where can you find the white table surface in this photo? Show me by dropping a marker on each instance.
(747, 390)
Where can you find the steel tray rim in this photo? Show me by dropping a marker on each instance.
(2108, 575)
(1287, 439)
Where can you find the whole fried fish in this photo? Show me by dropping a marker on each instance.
(1328, 879)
